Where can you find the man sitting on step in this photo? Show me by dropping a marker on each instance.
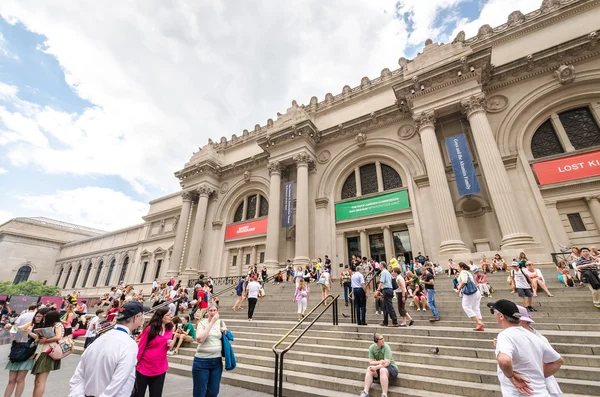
(381, 366)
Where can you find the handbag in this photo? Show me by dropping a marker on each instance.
(21, 351)
(470, 288)
(61, 349)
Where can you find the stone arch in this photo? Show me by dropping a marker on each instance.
(22, 272)
(518, 126)
(391, 152)
(237, 192)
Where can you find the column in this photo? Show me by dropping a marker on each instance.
(387, 243)
(341, 255)
(253, 255)
(496, 177)
(557, 231)
(449, 233)
(193, 263)
(302, 249)
(594, 206)
(416, 243)
(274, 222)
(182, 225)
(379, 176)
(240, 261)
(357, 180)
(364, 243)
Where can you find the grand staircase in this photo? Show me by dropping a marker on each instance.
(331, 360)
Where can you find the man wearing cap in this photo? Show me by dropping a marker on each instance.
(587, 266)
(360, 295)
(107, 369)
(524, 360)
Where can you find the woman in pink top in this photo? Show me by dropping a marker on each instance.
(482, 283)
(301, 296)
(155, 342)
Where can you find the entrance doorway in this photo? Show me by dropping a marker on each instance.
(402, 245)
(377, 246)
(353, 247)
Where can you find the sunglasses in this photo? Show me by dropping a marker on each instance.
(493, 311)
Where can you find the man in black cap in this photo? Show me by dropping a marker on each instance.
(524, 360)
(587, 267)
(107, 369)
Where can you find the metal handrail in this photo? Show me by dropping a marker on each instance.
(278, 378)
(233, 287)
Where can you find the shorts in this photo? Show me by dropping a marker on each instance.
(524, 292)
(392, 372)
(188, 339)
(325, 287)
(239, 293)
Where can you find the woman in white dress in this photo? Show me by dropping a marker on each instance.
(470, 300)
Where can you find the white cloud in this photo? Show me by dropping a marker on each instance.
(5, 216)
(424, 15)
(3, 171)
(95, 207)
(495, 13)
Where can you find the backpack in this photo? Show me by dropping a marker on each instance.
(394, 284)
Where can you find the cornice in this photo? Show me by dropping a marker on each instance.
(31, 237)
(88, 255)
(216, 170)
(421, 180)
(165, 214)
(127, 229)
(166, 236)
(305, 129)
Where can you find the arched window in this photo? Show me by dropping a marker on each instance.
(77, 273)
(97, 278)
(67, 278)
(59, 276)
(252, 206)
(111, 268)
(87, 275)
(545, 141)
(124, 270)
(370, 182)
(22, 274)
(581, 127)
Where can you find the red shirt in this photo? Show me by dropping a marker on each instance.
(112, 313)
(204, 303)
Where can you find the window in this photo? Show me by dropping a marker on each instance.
(67, 278)
(59, 276)
(234, 261)
(545, 142)
(97, 278)
(111, 268)
(87, 275)
(253, 206)
(369, 180)
(77, 273)
(581, 128)
(247, 259)
(144, 269)
(158, 266)
(23, 274)
(124, 270)
(576, 222)
(262, 257)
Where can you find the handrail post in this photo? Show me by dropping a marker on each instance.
(276, 380)
(353, 312)
(281, 375)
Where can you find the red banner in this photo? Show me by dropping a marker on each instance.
(46, 300)
(568, 168)
(246, 229)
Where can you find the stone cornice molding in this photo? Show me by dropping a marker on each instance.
(31, 237)
(424, 119)
(108, 252)
(473, 104)
(321, 202)
(421, 180)
(211, 168)
(591, 198)
(274, 167)
(305, 129)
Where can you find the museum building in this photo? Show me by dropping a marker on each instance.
(488, 144)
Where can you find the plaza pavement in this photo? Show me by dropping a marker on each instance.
(58, 381)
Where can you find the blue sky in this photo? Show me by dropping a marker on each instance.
(98, 107)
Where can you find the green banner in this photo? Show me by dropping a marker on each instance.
(372, 205)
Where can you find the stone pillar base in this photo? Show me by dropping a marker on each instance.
(453, 246)
(516, 241)
(301, 261)
(273, 267)
(189, 274)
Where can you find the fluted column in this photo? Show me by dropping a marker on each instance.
(274, 222)
(302, 249)
(450, 240)
(182, 226)
(594, 206)
(387, 243)
(496, 177)
(192, 266)
(364, 243)
(253, 255)
(240, 261)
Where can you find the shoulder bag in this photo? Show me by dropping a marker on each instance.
(21, 351)
(470, 288)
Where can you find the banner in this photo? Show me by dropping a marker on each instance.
(246, 229)
(20, 303)
(462, 165)
(568, 168)
(372, 205)
(47, 300)
(287, 211)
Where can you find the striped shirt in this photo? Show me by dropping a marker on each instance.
(211, 348)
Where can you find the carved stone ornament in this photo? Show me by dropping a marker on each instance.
(328, 97)
(565, 74)
(515, 18)
(224, 187)
(460, 37)
(186, 195)
(406, 131)
(175, 222)
(204, 190)
(593, 39)
(270, 123)
(324, 157)
(274, 167)
(549, 5)
(485, 31)
(247, 176)
(425, 119)
(365, 82)
(385, 73)
(473, 104)
(302, 158)
(162, 223)
(360, 139)
(496, 103)
(346, 90)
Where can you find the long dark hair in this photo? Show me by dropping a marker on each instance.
(155, 324)
(43, 311)
(51, 318)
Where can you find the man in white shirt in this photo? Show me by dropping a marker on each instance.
(92, 330)
(24, 319)
(252, 294)
(524, 360)
(107, 369)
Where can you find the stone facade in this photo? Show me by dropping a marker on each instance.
(526, 96)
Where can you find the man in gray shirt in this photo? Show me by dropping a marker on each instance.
(385, 287)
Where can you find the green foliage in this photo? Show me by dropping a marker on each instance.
(28, 288)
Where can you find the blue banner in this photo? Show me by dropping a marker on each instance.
(287, 216)
(462, 165)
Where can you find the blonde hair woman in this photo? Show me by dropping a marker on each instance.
(301, 297)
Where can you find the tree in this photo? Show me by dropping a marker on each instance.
(28, 288)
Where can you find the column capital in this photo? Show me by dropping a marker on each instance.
(362, 230)
(204, 190)
(410, 222)
(424, 119)
(591, 198)
(186, 195)
(303, 159)
(274, 167)
(384, 227)
(473, 104)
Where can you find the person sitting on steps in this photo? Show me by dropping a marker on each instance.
(381, 366)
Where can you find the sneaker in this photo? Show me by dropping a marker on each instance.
(364, 394)
(597, 305)
(383, 395)
(424, 309)
(531, 309)
(418, 309)
(170, 352)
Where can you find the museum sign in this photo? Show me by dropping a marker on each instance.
(372, 205)
(568, 168)
(246, 229)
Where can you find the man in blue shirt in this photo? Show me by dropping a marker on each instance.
(385, 287)
(359, 290)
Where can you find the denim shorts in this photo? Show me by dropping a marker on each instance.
(392, 372)
(524, 292)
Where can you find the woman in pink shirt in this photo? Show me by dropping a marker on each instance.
(155, 342)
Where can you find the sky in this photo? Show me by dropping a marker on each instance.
(100, 105)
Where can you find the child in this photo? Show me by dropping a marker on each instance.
(92, 329)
